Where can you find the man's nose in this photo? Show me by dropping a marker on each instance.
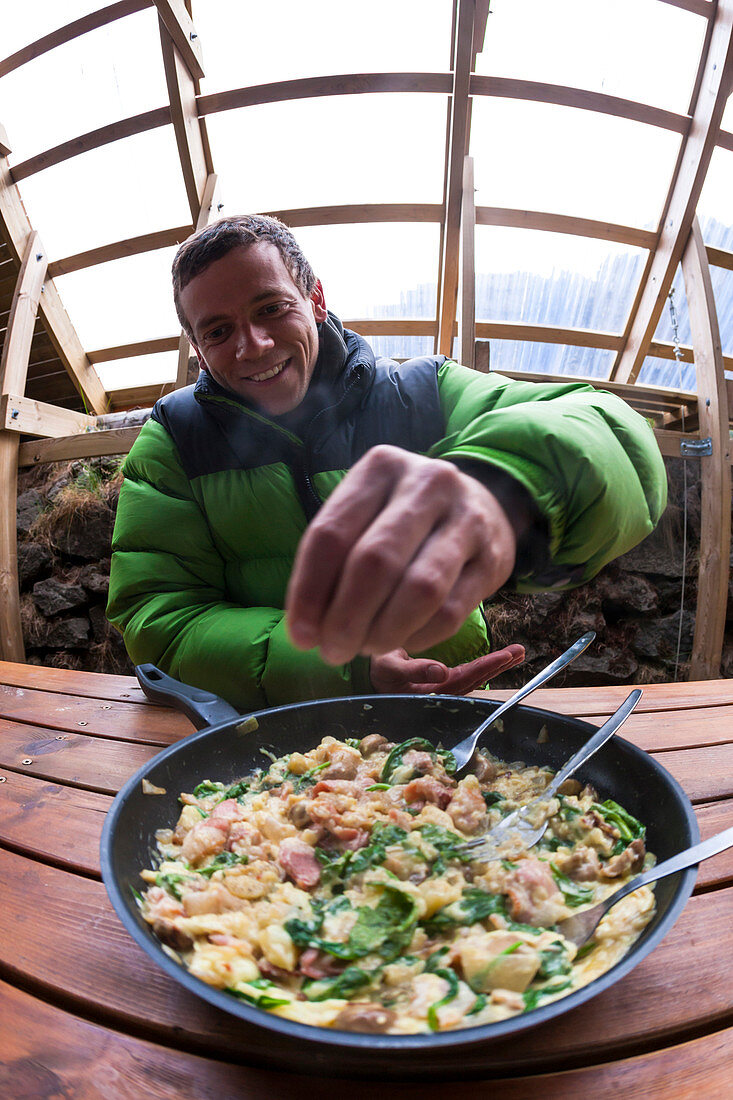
(253, 341)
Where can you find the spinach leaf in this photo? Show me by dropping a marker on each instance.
(350, 863)
(474, 905)
(567, 811)
(452, 978)
(447, 844)
(573, 892)
(555, 961)
(387, 927)
(629, 827)
(491, 798)
(307, 779)
(271, 997)
(170, 881)
(394, 760)
(236, 790)
(342, 985)
(206, 788)
(220, 861)
(532, 996)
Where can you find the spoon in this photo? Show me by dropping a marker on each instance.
(464, 750)
(580, 927)
(520, 822)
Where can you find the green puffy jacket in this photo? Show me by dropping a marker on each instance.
(216, 497)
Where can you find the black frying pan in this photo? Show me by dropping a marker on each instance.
(226, 748)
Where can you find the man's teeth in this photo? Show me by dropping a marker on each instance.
(267, 374)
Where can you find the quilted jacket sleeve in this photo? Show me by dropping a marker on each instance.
(168, 597)
(589, 462)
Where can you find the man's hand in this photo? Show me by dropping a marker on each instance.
(398, 672)
(404, 548)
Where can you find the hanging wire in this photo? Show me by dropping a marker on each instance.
(678, 357)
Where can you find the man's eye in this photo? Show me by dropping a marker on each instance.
(273, 309)
(215, 334)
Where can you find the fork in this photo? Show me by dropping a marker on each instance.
(519, 821)
(464, 750)
(580, 927)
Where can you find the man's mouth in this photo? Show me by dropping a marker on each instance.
(271, 373)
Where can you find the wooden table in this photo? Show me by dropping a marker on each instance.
(83, 1014)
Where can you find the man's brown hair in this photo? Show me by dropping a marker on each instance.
(216, 240)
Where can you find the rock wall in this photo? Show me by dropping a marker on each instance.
(644, 626)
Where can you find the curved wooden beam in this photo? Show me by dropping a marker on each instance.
(715, 535)
(13, 371)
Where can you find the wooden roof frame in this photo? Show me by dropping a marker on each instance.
(676, 239)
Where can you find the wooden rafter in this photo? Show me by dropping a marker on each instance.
(456, 151)
(177, 22)
(683, 197)
(715, 536)
(132, 246)
(467, 316)
(13, 370)
(210, 206)
(184, 116)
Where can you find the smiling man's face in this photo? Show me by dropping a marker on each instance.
(253, 330)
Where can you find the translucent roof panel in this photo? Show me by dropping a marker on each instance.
(533, 358)
(332, 150)
(123, 301)
(554, 279)
(722, 282)
(401, 347)
(141, 370)
(670, 373)
(537, 156)
(715, 205)
(40, 18)
(320, 38)
(106, 75)
(118, 191)
(396, 272)
(635, 49)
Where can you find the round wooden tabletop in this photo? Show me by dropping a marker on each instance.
(84, 1013)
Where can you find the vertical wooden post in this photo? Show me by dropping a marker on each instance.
(209, 209)
(13, 373)
(467, 322)
(712, 402)
(457, 148)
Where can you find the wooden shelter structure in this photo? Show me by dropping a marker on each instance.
(54, 405)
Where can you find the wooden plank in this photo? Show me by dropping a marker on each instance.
(127, 351)
(564, 223)
(669, 442)
(95, 685)
(718, 257)
(467, 319)
(706, 8)
(94, 763)
(5, 149)
(177, 22)
(359, 213)
(392, 326)
(94, 139)
(49, 1052)
(71, 31)
(715, 520)
(22, 319)
(139, 396)
(115, 441)
(714, 817)
(68, 346)
(460, 126)
(548, 334)
(311, 87)
(561, 95)
(119, 982)
(49, 1048)
(52, 823)
(118, 720)
(133, 246)
(661, 731)
(184, 115)
(682, 200)
(20, 414)
(604, 699)
(705, 774)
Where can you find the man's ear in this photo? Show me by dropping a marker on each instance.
(319, 303)
(199, 356)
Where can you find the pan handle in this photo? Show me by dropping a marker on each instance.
(203, 708)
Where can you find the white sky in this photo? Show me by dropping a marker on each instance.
(368, 148)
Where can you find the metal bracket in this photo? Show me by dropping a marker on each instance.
(696, 448)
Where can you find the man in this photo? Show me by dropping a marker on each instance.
(308, 522)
